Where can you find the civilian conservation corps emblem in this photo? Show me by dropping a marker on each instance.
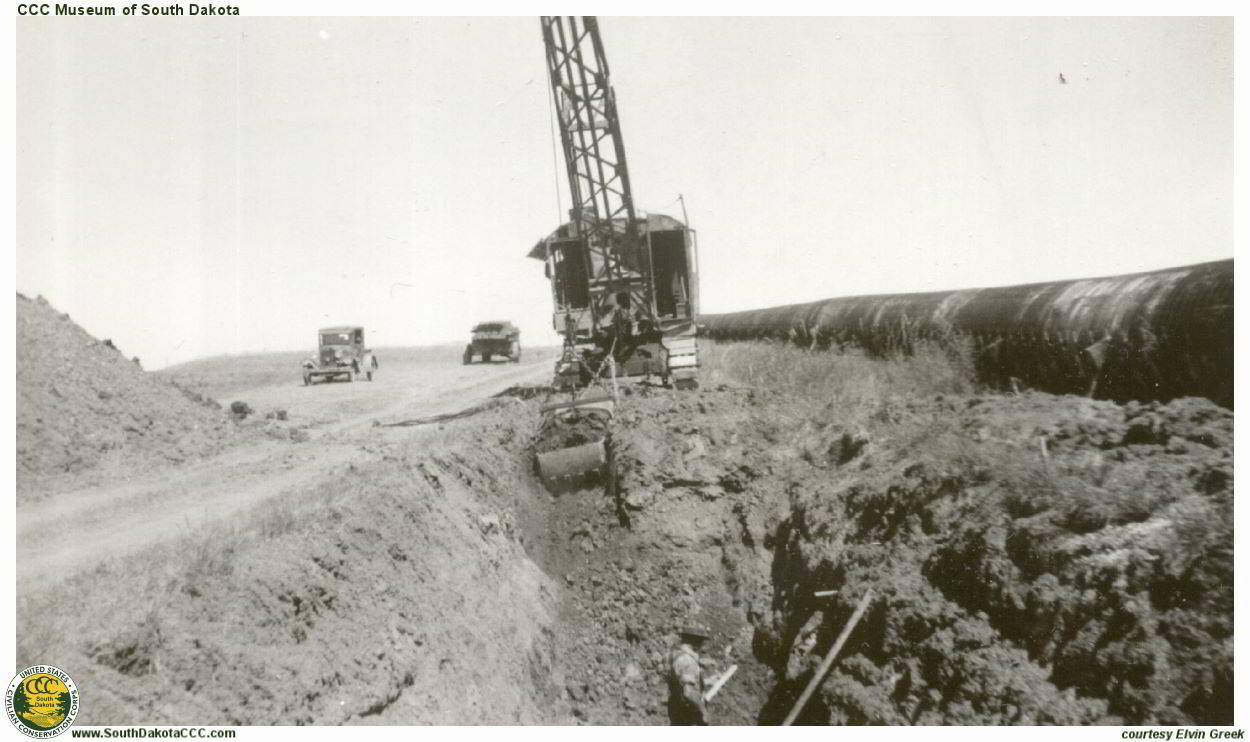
(42, 701)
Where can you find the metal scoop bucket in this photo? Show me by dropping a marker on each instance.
(565, 467)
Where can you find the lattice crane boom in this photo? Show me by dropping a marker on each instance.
(624, 289)
(603, 212)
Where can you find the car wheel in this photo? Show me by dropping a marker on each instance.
(515, 353)
(468, 355)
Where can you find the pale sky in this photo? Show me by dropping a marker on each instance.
(189, 187)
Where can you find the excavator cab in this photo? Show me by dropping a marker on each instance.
(624, 286)
(648, 326)
(613, 336)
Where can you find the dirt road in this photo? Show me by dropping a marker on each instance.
(75, 530)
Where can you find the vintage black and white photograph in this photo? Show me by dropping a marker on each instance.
(621, 370)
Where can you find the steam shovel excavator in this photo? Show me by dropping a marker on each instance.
(625, 286)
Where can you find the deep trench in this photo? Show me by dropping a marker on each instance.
(591, 530)
(972, 545)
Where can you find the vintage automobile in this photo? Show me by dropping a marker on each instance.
(494, 339)
(341, 354)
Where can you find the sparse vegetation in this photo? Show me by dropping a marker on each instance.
(356, 587)
(848, 376)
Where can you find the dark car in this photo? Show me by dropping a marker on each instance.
(494, 339)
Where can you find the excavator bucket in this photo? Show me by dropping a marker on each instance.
(565, 466)
(573, 442)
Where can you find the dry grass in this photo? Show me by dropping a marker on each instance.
(846, 377)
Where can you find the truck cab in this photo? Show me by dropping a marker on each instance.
(341, 354)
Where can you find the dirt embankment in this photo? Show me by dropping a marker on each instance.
(81, 404)
(395, 592)
(347, 574)
(1036, 559)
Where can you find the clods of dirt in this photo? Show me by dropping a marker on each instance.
(1036, 559)
(570, 428)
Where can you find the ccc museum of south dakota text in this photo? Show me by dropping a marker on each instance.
(37, 9)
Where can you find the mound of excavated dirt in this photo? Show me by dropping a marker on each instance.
(395, 592)
(1036, 559)
(80, 400)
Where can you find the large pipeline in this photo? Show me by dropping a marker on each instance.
(1156, 335)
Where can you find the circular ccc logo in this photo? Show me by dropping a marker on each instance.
(41, 701)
